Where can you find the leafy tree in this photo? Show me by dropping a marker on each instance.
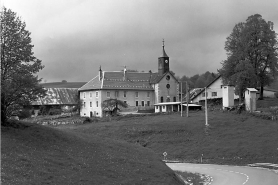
(112, 105)
(19, 86)
(251, 55)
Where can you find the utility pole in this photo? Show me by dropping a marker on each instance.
(187, 98)
(181, 98)
(206, 106)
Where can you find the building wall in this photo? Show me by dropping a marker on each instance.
(162, 91)
(93, 102)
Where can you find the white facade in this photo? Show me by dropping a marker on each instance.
(214, 90)
(92, 99)
(167, 89)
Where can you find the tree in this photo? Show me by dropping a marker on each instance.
(252, 58)
(19, 85)
(112, 105)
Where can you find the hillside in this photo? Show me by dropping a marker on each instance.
(230, 139)
(33, 154)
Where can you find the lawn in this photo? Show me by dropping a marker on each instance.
(34, 154)
(229, 139)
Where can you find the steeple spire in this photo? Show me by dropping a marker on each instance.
(163, 51)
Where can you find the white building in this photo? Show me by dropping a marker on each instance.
(214, 90)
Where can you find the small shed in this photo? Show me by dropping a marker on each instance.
(251, 99)
(228, 95)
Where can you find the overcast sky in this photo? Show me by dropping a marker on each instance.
(74, 37)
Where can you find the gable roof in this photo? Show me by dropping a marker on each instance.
(117, 80)
(205, 87)
(95, 83)
(156, 77)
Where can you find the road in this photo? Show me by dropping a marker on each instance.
(230, 175)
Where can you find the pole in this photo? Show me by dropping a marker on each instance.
(187, 98)
(181, 98)
(206, 106)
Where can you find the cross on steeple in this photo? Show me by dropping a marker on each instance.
(163, 43)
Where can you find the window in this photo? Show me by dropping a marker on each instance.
(148, 103)
(90, 104)
(84, 104)
(90, 94)
(84, 94)
(116, 94)
(148, 94)
(143, 103)
(136, 103)
(96, 94)
(97, 103)
(124, 93)
(108, 94)
(136, 94)
(161, 99)
(213, 93)
(174, 99)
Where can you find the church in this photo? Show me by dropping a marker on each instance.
(137, 89)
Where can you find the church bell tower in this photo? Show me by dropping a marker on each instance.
(163, 62)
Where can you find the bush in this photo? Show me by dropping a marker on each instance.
(25, 113)
(276, 94)
(55, 111)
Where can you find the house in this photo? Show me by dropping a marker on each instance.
(214, 91)
(139, 90)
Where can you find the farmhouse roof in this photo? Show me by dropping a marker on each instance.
(119, 80)
(58, 96)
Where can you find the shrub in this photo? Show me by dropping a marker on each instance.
(55, 111)
(25, 113)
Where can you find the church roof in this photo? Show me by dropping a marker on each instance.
(117, 80)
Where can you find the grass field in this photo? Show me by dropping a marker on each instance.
(34, 154)
(229, 139)
(128, 149)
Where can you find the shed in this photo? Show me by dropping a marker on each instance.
(250, 99)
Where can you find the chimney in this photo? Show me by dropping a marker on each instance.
(125, 73)
(100, 74)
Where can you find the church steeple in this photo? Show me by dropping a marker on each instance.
(163, 50)
(163, 61)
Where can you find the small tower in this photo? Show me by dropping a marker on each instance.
(100, 74)
(163, 62)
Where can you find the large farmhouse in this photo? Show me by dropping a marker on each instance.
(137, 89)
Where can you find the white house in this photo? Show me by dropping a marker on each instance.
(214, 90)
(137, 89)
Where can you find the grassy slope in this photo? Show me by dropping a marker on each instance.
(228, 137)
(33, 154)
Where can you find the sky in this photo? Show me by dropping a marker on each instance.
(73, 38)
